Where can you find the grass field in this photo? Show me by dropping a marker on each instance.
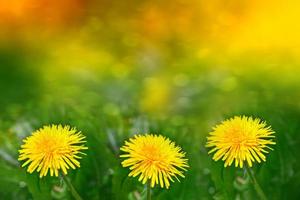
(111, 78)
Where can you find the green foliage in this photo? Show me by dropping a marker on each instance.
(107, 109)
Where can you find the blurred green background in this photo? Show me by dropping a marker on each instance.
(117, 68)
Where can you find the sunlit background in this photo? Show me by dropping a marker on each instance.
(117, 68)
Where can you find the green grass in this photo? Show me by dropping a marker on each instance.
(107, 109)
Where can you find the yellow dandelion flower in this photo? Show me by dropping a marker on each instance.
(52, 148)
(154, 158)
(240, 139)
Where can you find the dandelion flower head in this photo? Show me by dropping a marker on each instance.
(239, 140)
(154, 158)
(52, 148)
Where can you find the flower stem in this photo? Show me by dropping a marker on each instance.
(148, 190)
(257, 187)
(71, 188)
